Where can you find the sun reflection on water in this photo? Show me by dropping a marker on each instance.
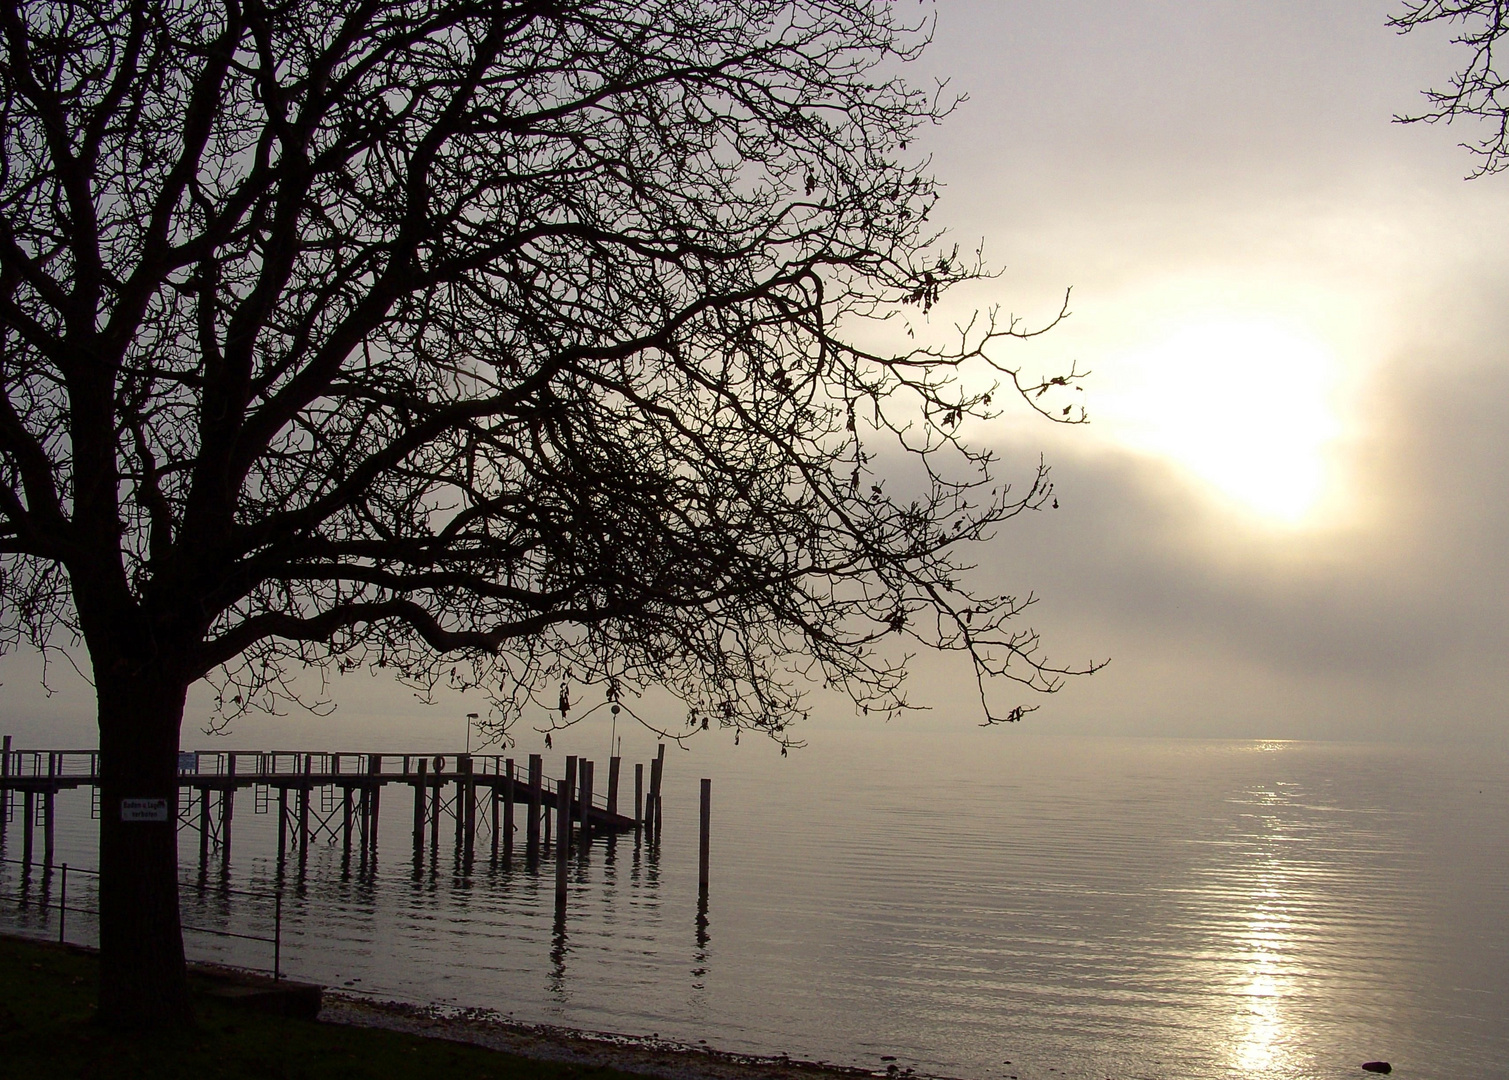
(1268, 890)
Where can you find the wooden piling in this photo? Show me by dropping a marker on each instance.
(495, 808)
(508, 796)
(614, 763)
(282, 825)
(28, 806)
(536, 772)
(659, 783)
(564, 839)
(652, 803)
(702, 847)
(466, 794)
(587, 769)
(5, 793)
(227, 808)
(346, 822)
(374, 767)
(638, 797)
(363, 818)
(563, 829)
(419, 811)
(204, 825)
(304, 790)
(48, 802)
(435, 807)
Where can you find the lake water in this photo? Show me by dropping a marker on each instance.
(986, 904)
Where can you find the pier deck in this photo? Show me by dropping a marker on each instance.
(310, 788)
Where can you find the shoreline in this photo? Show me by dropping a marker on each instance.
(645, 1055)
(547, 1043)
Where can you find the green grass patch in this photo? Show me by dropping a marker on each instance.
(47, 1030)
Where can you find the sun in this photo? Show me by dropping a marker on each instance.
(1247, 405)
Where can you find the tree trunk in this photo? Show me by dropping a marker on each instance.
(143, 982)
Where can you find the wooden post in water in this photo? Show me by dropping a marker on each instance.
(496, 798)
(652, 805)
(419, 813)
(5, 793)
(363, 817)
(374, 768)
(536, 773)
(346, 822)
(435, 807)
(638, 798)
(204, 826)
(508, 794)
(659, 786)
(586, 768)
(48, 798)
(707, 818)
(564, 839)
(466, 787)
(614, 764)
(227, 808)
(304, 810)
(282, 825)
(28, 807)
(563, 829)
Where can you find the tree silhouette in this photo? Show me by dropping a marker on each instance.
(1477, 91)
(509, 345)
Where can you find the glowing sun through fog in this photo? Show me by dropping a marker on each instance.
(1247, 405)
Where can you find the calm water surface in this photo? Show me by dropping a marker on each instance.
(982, 904)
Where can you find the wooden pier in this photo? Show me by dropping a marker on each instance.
(337, 797)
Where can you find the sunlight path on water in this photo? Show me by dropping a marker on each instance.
(983, 904)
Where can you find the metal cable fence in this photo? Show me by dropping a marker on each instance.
(40, 905)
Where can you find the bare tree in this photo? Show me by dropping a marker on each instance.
(1478, 91)
(508, 344)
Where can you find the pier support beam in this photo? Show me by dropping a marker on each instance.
(227, 808)
(204, 826)
(374, 791)
(5, 792)
(435, 807)
(705, 832)
(563, 828)
(587, 768)
(508, 796)
(638, 798)
(466, 805)
(536, 774)
(49, 800)
(304, 811)
(652, 804)
(346, 824)
(282, 826)
(419, 811)
(564, 839)
(28, 807)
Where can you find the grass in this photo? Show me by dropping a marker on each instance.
(46, 1030)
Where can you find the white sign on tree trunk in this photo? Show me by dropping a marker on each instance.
(144, 809)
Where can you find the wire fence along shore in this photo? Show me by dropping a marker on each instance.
(40, 906)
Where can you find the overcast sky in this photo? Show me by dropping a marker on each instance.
(1287, 518)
